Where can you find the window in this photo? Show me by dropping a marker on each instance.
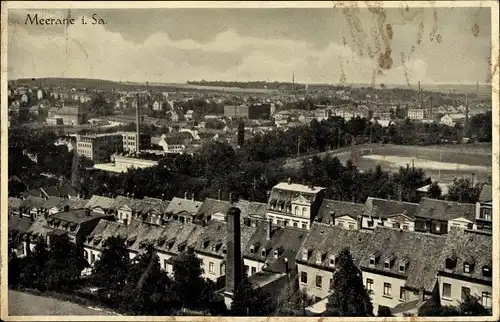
(446, 290)
(303, 277)
(405, 227)
(92, 258)
(222, 268)
(486, 271)
(211, 268)
(369, 284)
(331, 284)
(485, 214)
(252, 249)
(85, 255)
(275, 254)
(465, 293)
(254, 270)
(466, 268)
(387, 289)
(395, 225)
(305, 254)
(304, 212)
(165, 264)
(486, 299)
(246, 270)
(295, 224)
(319, 281)
(263, 253)
(402, 293)
(387, 264)
(304, 226)
(296, 210)
(351, 226)
(340, 224)
(402, 268)
(370, 223)
(372, 261)
(332, 260)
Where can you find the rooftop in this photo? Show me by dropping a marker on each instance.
(296, 187)
(76, 216)
(339, 208)
(486, 193)
(384, 208)
(445, 210)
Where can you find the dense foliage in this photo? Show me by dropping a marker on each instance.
(349, 296)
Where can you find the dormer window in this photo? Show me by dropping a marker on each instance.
(403, 265)
(318, 258)
(252, 249)
(469, 266)
(389, 260)
(263, 252)
(466, 268)
(305, 254)
(275, 254)
(374, 258)
(332, 261)
(486, 271)
(451, 262)
(214, 247)
(224, 249)
(205, 243)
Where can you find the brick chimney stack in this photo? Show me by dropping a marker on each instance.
(234, 265)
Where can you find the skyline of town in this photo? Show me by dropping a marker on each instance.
(251, 44)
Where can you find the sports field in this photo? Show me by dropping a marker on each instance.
(441, 163)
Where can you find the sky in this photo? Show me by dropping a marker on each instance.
(324, 45)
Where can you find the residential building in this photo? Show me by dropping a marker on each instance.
(484, 209)
(452, 119)
(99, 204)
(70, 114)
(441, 216)
(183, 210)
(129, 140)
(465, 267)
(294, 205)
(99, 147)
(390, 213)
(343, 214)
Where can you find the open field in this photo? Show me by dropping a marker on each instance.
(441, 163)
(22, 304)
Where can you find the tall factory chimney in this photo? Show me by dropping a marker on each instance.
(293, 82)
(430, 107)
(477, 89)
(137, 124)
(466, 109)
(234, 266)
(419, 96)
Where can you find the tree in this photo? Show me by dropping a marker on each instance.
(251, 301)
(349, 297)
(463, 191)
(434, 191)
(32, 272)
(188, 283)
(431, 307)
(472, 306)
(64, 265)
(111, 269)
(292, 301)
(148, 289)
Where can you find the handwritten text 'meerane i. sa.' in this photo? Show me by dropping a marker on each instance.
(35, 20)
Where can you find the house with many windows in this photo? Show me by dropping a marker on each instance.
(465, 267)
(389, 213)
(484, 209)
(340, 213)
(441, 216)
(294, 205)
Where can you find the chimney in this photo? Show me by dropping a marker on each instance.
(234, 271)
(419, 95)
(192, 197)
(230, 197)
(185, 195)
(269, 229)
(332, 214)
(162, 196)
(287, 270)
(430, 107)
(219, 194)
(289, 180)
(137, 125)
(473, 179)
(128, 195)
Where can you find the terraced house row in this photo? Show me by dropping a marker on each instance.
(403, 249)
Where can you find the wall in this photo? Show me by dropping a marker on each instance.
(346, 222)
(252, 263)
(310, 287)
(378, 297)
(206, 260)
(456, 289)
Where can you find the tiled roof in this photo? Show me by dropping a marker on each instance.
(63, 189)
(175, 234)
(486, 193)
(340, 208)
(74, 203)
(99, 201)
(14, 203)
(150, 204)
(420, 252)
(76, 216)
(384, 208)
(39, 227)
(32, 202)
(251, 208)
(295, 187)
(120, 201)
(105, 229)
(212, 206)
(285, 240)
(178, 205)
(20, 224)
(445, 210)
(325, 241)
(215, 234)
(52, 202)
(467, 246)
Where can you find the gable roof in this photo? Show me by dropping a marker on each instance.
(486, 193)
(384, 208)
(76, 216)
(63, 189)
(99, 201)
(211, 206)
(339, 208)
(467, 246)
(52, 202)
(327, 240)
(421, 252)
(32, 202)
(178, 205)
(285, 240)
(445, 210)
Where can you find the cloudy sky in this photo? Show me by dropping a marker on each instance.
(328, 45)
